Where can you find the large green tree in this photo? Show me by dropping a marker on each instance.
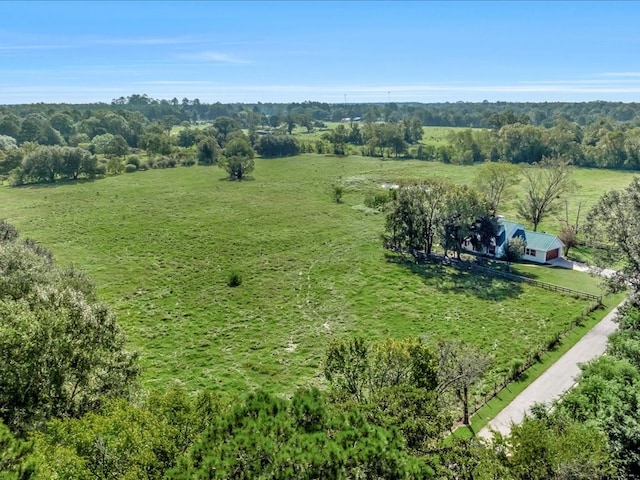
(208, 151)
(463, 210)
(123, 439)
(238, 158)
(415, 215)
(614, 223)
(269, 438)
(15, 463)
(60, 348)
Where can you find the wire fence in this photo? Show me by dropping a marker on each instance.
(519, 278)
(481, 398)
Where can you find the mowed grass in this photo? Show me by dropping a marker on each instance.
(162, 244)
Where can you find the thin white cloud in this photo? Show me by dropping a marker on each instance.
(127, 41)
(13, 48)
(215, 57)
(620, 74)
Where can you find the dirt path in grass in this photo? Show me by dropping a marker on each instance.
(559, 378)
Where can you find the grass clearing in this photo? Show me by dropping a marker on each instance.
(162, 245)
(485, 414)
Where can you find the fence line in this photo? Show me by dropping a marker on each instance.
(538, 283)
(532, 358)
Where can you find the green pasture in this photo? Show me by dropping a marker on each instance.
(162, 245)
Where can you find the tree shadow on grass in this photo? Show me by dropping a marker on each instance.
(57, 183)
(448, 279)
(248, 178)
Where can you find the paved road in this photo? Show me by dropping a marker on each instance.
(559, 378)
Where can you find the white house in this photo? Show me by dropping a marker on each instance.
(540, 247)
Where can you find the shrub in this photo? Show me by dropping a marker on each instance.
(101, 169)
(516, 367)
(130, 168)
(514, 249)
(114, 166)
(338, 190)
(134, 160)
(376, 200)
(271, 146)
(162, 162)
(235, 279)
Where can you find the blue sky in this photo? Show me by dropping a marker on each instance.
(80, 52)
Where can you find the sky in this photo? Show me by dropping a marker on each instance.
(333, 51)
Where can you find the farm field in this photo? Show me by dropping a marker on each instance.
(436, 136)
(162, 244)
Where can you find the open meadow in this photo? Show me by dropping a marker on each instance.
(162, 245)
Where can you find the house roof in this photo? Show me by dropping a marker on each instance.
(540, 241)
(510, 226)
(535, 240)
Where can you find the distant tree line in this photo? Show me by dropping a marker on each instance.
(596, 134)
(456, 114)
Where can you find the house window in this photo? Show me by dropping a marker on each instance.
(528, 251)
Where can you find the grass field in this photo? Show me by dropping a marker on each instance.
(162, 244)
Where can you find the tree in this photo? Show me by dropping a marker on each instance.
(63, 123)
(156, 140)
(615, 222)
(305, 120)
(272, 146)
(483, 232)
(290, 122)
(225, 126)
(267, 437)
(208, 151)
(461, 366)
(338, 138)
(60, 348)
(359, 370)
(415, 215)
(467, 150)
(47, 163)
(14, 457)
(123, 439)
(78, 161)
(606, 397)
(544, 186)
(544, 447)
(10, 157)
(519, 143)
(498, 120)
(7, 143)
(238, 158)
(44, 164)
(462, 209)
(496, 181)
(514, 249)
(10, 125)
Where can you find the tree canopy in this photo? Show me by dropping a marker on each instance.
(61, 349)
